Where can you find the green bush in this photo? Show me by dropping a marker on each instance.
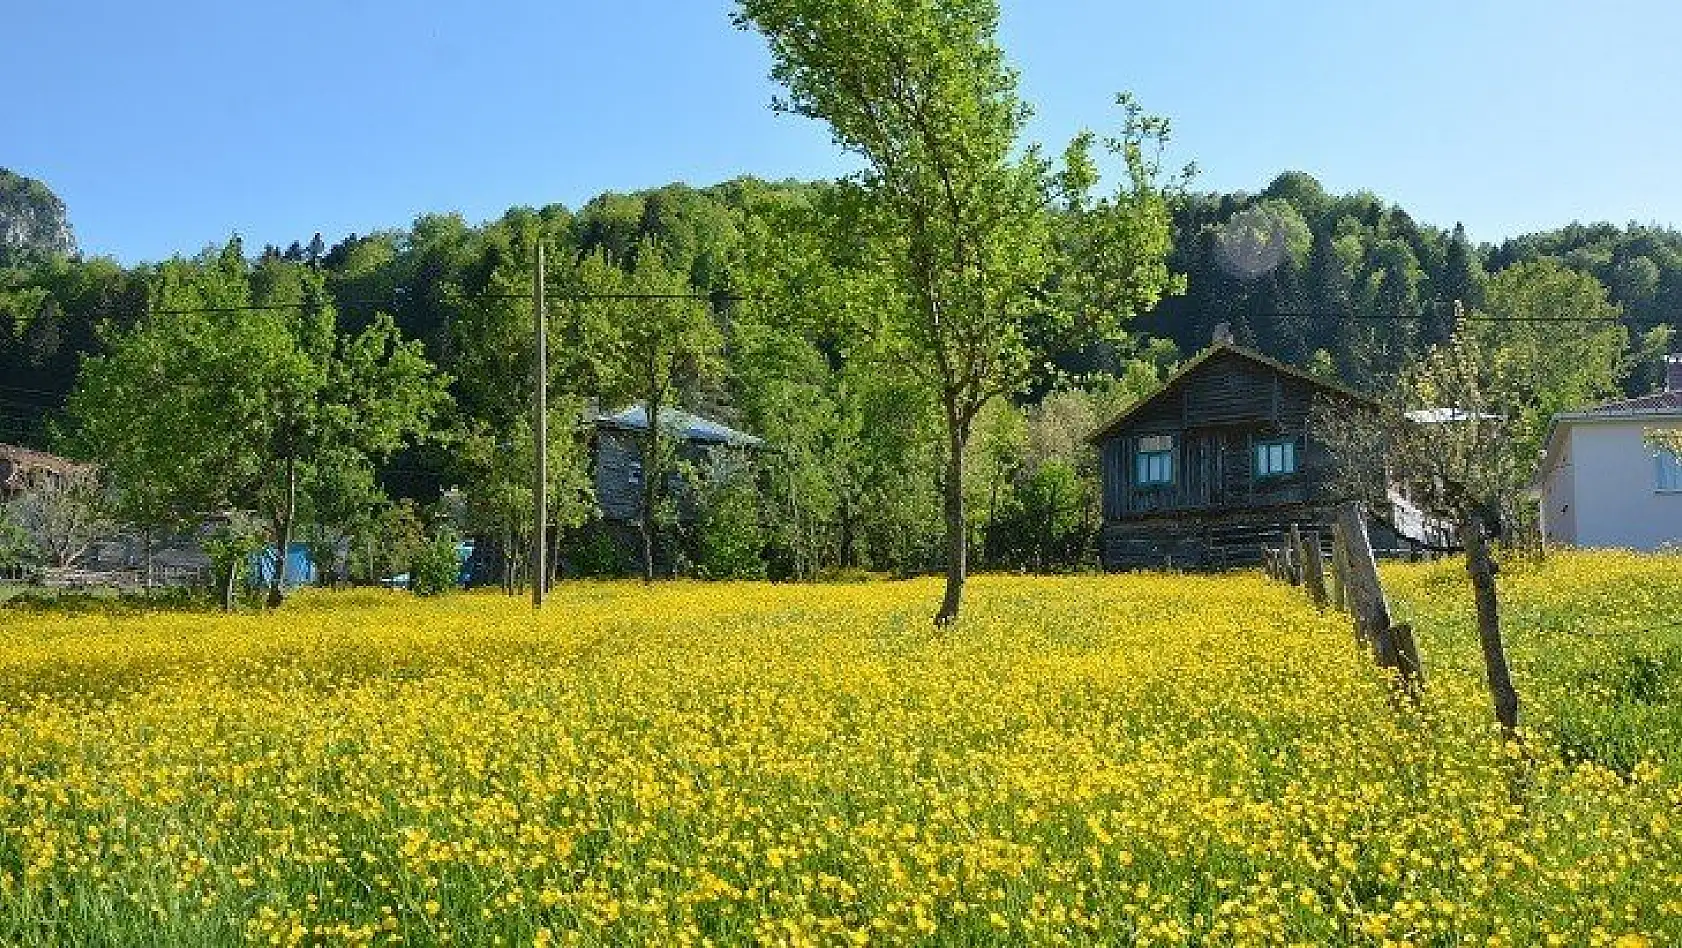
(16, 547)
(597, 555)
(732, 542)
(230, 548)
(436, 567)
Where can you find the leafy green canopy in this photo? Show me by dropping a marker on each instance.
(978, 276)
(240, 390)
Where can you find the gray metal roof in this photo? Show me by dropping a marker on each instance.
(1439, 416)
(692, 427)
(1667, 402)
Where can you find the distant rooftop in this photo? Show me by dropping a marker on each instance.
(1439, 416)
(31, 459)
(1665, 402)
(1657, 403)
(692, 427)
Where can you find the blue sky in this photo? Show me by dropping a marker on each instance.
(167, 129)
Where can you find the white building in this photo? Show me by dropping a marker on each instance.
(1603, 483)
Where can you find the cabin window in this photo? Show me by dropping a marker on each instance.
(1276, 458)
(1667, 471)
(1154, 464)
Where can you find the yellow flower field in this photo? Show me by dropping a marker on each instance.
(1097, 760)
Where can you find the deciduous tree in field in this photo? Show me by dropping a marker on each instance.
(239, 389)
(961, 216)
(1552, 343)
(651, 340)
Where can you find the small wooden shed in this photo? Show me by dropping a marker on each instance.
(1217, 463)
(618, 455)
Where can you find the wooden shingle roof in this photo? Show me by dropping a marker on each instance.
(1120, 419)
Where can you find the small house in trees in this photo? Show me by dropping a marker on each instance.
(1217, 463)
(1604, 482)
(618, 467)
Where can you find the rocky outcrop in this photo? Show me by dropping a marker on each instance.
(32, 218)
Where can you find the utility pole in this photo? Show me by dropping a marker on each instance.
(540, 432)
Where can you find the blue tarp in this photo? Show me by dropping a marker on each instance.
(299, 570)
(464, 553)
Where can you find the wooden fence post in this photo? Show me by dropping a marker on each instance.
(1367, 604)
(1366, 596)
(1481, 567)
(1313, 567)
(1338, 598)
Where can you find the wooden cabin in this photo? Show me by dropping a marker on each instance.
(1219, 462)
(618, 456)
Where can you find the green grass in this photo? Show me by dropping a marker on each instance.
(1594, 640)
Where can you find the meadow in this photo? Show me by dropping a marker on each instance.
(1087, 760)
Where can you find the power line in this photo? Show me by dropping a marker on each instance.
(719, 298)
(59, 396)
(1463, 317)
(401, 300)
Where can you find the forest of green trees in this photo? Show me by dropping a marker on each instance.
(437, 314)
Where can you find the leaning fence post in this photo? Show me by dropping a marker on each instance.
(1366, 596)
(1393, 647)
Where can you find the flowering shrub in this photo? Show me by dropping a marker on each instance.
(1092, 761)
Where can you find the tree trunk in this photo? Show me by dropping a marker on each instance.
(283, 535)
(956, 541)
(990, 546)
(646, 531)
(228, 585)
(844, 552)
(1481, 567)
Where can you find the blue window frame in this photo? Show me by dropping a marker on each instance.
(1276, 457)
(1667, 471)
(1153, 466)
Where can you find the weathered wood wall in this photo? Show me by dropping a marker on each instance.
(617, 456)
(1216, 512)
(618, 453)
(1216, 415)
